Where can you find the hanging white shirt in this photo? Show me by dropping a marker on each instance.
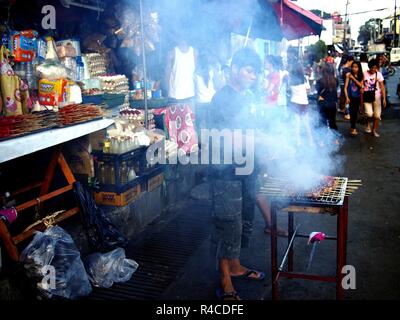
(181, 81)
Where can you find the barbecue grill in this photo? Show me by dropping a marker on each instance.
(332, 199)
(276, 189)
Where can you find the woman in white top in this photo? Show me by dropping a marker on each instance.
(299, 101)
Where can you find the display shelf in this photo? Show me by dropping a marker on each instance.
(21, 146)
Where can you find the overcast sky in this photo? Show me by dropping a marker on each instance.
(355, 6)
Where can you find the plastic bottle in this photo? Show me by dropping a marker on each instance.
(114, 146)
(107, 145)
(126, 144)
(136, 142)
(121, 145)
(51, 50)
(112, 174)
(123, 175)
(131, 174)
(80, 69)
(106, 176)
(102, 172)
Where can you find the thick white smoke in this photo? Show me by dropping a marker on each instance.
(301, 162)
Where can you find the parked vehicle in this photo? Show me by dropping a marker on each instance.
(395, 56)
(376, 47)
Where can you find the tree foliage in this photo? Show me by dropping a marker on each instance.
(318, 50)
(322, 14)
(371, 28)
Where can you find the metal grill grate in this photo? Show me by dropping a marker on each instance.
(277, 188)
(162, 255)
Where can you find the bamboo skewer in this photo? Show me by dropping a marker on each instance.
(279, 187)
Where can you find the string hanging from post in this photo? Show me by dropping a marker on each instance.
(144, 66)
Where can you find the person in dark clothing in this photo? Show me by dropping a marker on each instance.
(344, 69)
(327, 95)
(233, 195)
(353, 88)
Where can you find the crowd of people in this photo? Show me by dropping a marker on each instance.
(361, 85)
(223, 97)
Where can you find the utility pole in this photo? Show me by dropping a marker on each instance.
(345, 27)
(395, 25)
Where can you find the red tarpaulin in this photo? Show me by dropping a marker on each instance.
(296, 22)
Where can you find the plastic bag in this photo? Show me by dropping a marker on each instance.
(105, 269)
(52, 70)
(9, 86)
(53, 260)
(102, 234)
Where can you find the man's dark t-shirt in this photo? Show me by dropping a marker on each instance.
(231, 109)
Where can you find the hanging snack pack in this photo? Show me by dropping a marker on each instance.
(52, 92)
(68, 48)
(23, 45)
(9, 86)
(41, 49)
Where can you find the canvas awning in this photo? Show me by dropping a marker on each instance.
(296, 22)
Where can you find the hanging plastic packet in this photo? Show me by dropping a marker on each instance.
(51, 68)
(52, 92)
(41, 49)
(23, 45)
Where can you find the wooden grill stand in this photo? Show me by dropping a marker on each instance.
(10, 242)
(341, 213)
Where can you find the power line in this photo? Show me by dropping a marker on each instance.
(361, 12)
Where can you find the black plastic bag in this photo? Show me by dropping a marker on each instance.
(102, 234)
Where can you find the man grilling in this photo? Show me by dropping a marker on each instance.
(233, 194)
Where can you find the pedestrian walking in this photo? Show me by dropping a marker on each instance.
(353, 89)
(299, 102)
(374, 91)
(344, 69)
(327, 95)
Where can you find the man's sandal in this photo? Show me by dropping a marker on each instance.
(248, 275)
(233, 295)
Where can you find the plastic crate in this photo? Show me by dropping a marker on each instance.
(151, 103)
(153, 178)
(95, 99)
(114, 99)
(111, 100)
(118, 199)
(112, 170)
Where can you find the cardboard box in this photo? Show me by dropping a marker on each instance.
(96, 140)
(77, 153)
